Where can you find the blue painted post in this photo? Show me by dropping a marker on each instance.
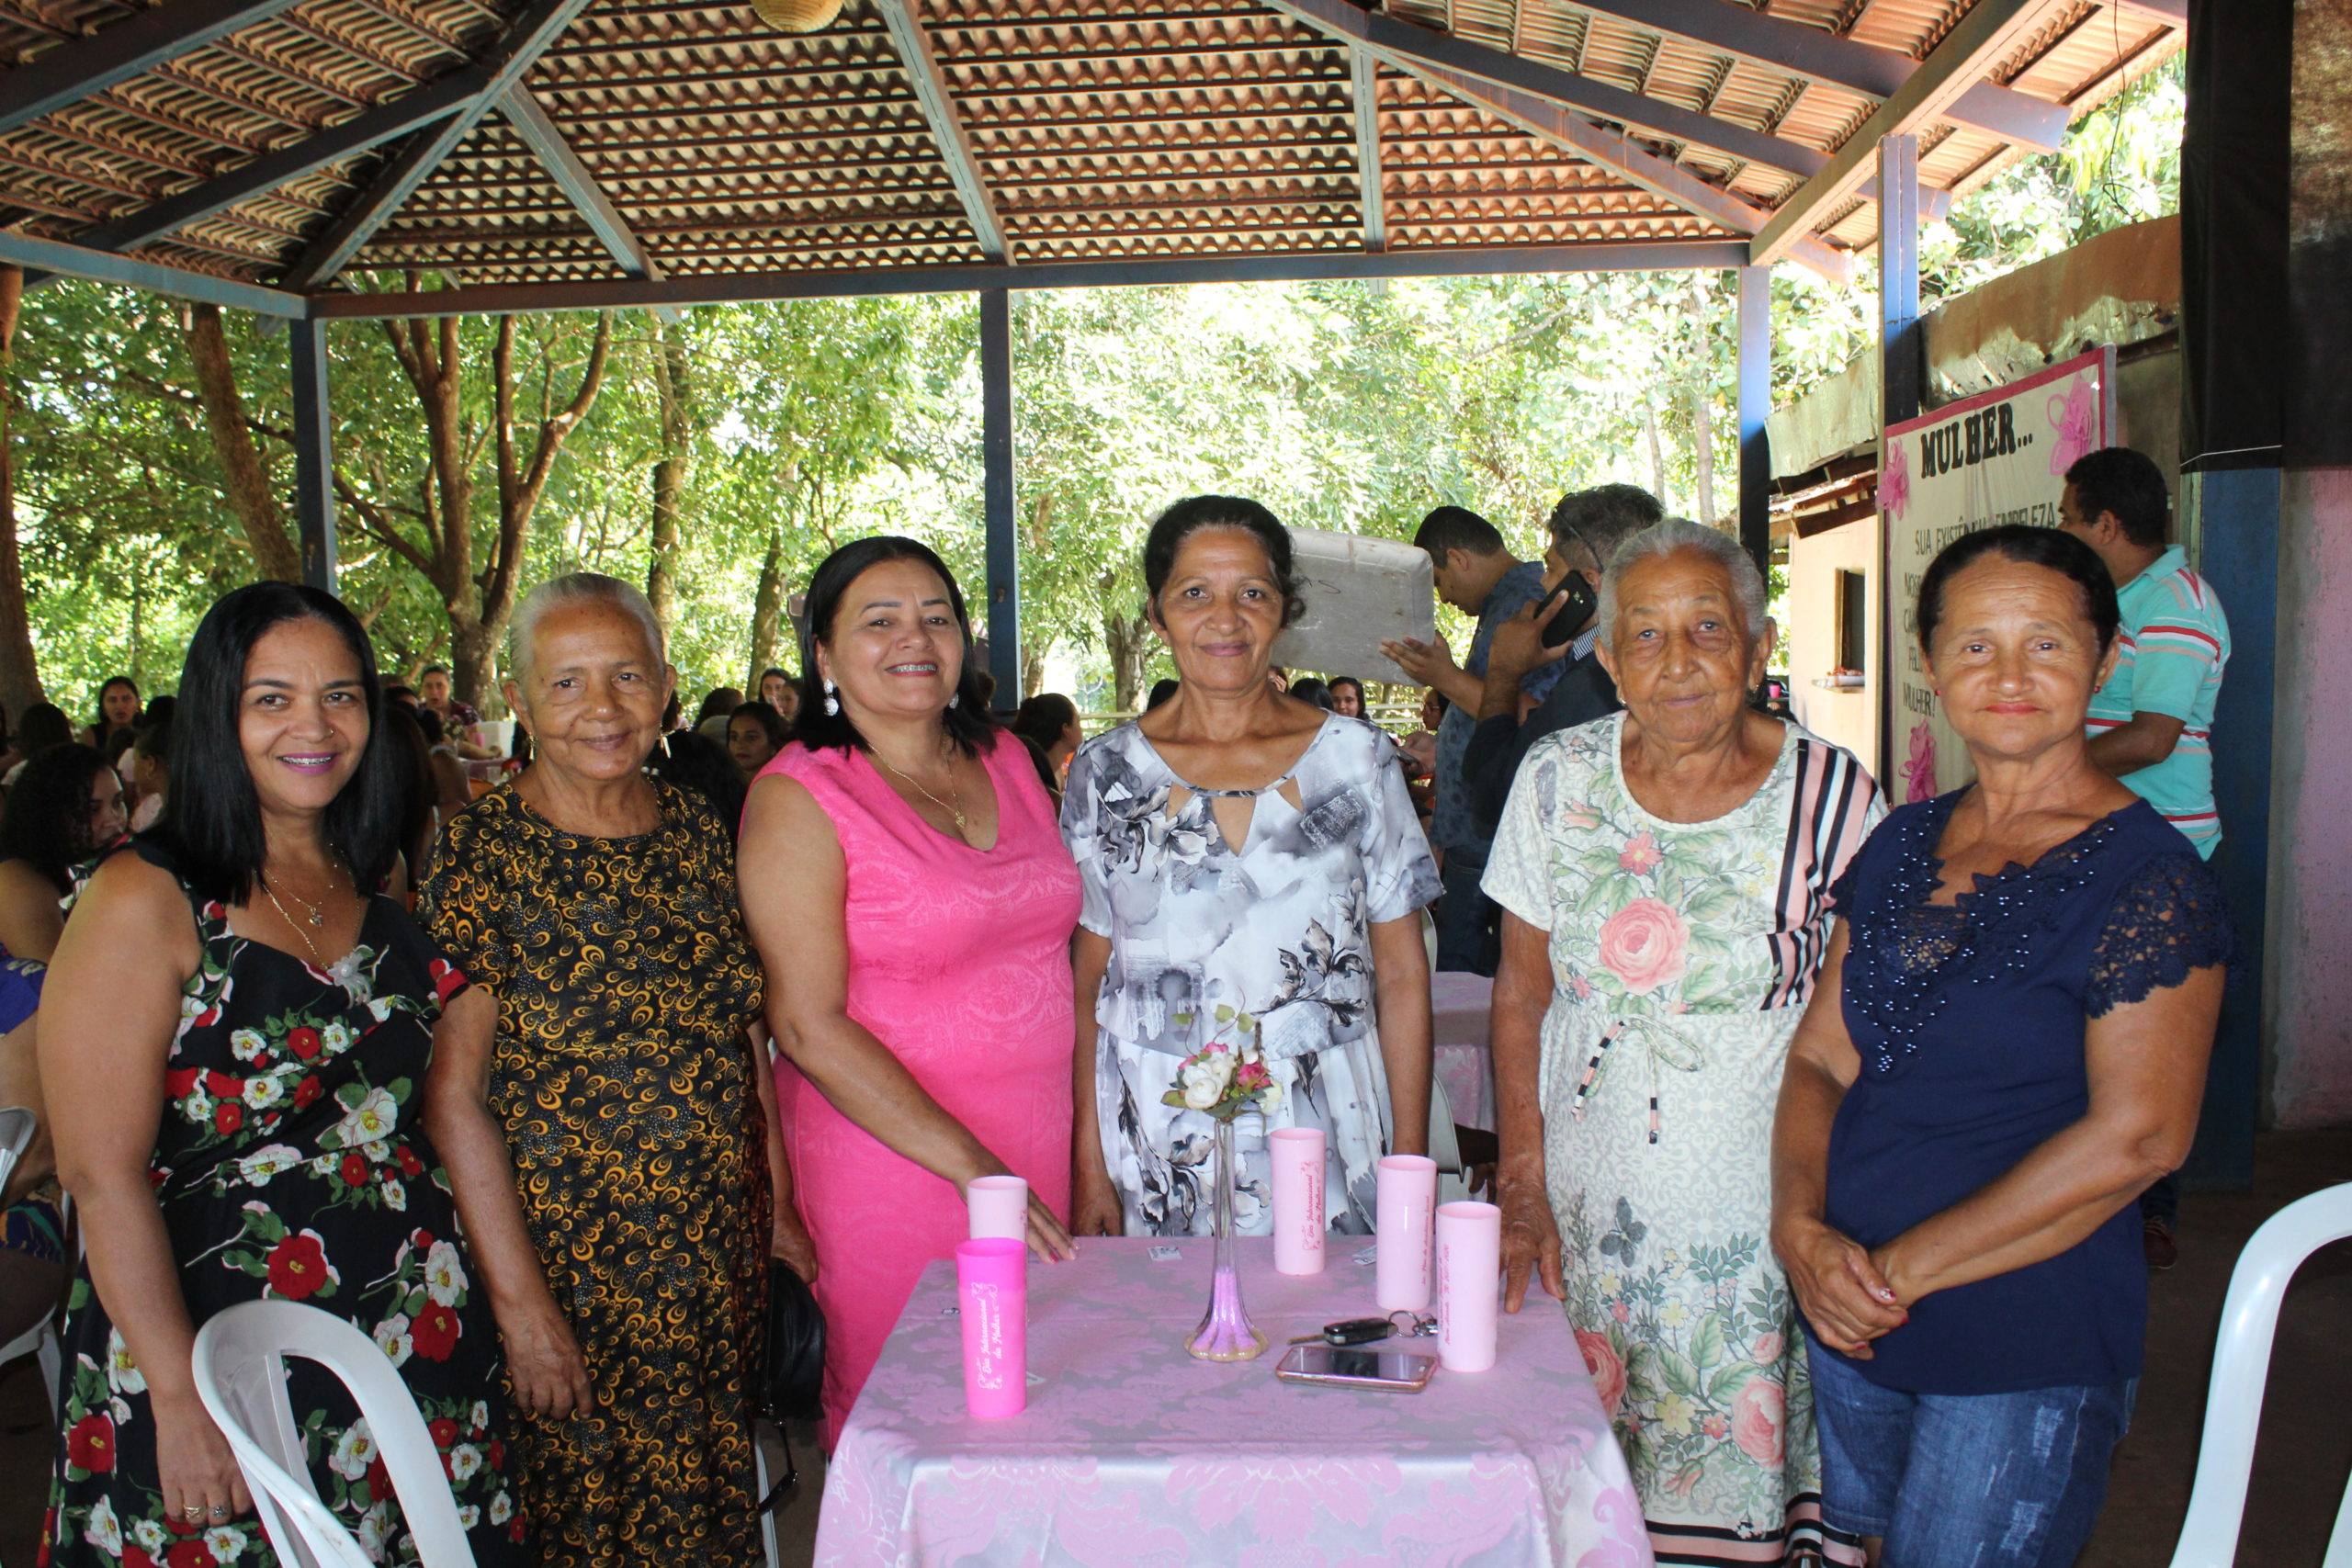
(2237, 534)
(1898, 277)
(1755, 407)
(313, 452)
(995, 492)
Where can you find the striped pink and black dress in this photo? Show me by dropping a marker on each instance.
(1682, 956)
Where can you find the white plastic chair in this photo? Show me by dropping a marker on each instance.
(16, 1127)
(2209, 1536)
(241, 1376)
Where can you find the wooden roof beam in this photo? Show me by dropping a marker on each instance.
(83, 67)
(1616, 152)
(1815, 54)
(538, 26)
(1402, 46)
(1981, 38)
(579, 186)
(724, 288)
(1370, 185)
(947, 132)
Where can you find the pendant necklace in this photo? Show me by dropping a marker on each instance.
(956, 810)
(316, 921)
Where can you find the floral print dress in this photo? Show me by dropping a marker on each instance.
(1682, 955)
(1214, 942)
(288, 1164)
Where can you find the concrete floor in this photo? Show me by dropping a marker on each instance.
(2299, 1470)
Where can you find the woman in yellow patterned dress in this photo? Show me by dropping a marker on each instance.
(606, 1121)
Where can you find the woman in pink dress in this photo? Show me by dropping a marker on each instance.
(905, 882)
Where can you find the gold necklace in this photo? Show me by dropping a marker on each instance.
(956, 811)
(291, 924)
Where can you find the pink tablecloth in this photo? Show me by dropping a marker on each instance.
(1131, 1453)
(1458, 1004)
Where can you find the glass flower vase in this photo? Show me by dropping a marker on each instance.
(1225, 1334)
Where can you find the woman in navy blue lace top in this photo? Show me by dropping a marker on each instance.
(2008, 1041)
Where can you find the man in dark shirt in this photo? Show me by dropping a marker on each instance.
(1587, 527)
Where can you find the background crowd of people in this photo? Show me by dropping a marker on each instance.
(536, 1077)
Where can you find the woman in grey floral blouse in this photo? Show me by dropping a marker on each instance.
(1251, 866)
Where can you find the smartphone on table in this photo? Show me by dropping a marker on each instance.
(1328, 1366)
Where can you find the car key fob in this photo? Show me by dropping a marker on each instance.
(1357, 1331)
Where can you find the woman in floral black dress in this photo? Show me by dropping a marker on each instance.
(232, 1095)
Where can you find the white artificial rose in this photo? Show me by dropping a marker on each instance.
(1269, 1099)
(1204, 1080)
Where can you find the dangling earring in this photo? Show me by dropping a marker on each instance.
(832, 703)
(954, 698)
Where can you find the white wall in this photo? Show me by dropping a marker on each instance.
(1849, 719)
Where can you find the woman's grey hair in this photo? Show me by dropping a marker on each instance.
(576, 587)
(1669, 534)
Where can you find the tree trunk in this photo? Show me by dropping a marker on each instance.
(19, 674)
(1032, 671)
(473, 658)
(1703, 436)
(1128, 639)
(249, 494)
(767, 610)
(674, 392)
(1657, 458)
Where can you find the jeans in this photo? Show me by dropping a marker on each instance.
(1468, 937)
(1965, 1481)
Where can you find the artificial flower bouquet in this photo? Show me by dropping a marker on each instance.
(1225, 1078)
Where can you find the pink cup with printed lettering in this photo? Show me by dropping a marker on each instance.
(992, 1292)
(1296, 1154)
(999, 1206)
(1469, 1264)
(1405, 1201)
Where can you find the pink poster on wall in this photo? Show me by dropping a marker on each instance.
(1999, 456)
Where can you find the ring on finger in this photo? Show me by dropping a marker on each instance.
(192, 1513)
(217, 1511)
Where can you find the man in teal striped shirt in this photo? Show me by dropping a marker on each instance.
(2152, 723)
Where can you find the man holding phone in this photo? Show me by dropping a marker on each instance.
(1587, 527)
(1477, 574)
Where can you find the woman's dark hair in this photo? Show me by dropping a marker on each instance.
(122, 739)
(44, 726)
(1043, 720)
(158, 710)
(721, 701)
(128, 684)
(2051, 547)
(1339, 681)
(419, 790)
(46, 824)
(967, 720)
(1194, 513)
(155, 743)
(773, 670)
(1309, 690)
(766, 717)
(693, 761)
(212, 822)
(1161, 690)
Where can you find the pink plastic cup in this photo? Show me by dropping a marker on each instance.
(999, 1206)
(1404, 1202)
(1469, 1264)
(992, 1289)
(1299, 1223)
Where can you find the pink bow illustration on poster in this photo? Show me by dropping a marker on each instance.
(2074, 423)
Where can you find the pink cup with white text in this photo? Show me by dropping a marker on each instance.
(1469, 1267)
(992, 1296)
(1404, 1204)
(999, 1206)
(1296, 1155)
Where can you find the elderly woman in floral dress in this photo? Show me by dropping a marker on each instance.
(1665, 875)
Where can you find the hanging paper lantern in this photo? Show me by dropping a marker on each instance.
(797, 15)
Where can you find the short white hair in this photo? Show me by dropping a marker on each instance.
(1664, 538)
(577, 588)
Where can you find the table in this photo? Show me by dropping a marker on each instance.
(1458, 1007)
(1132, 1453)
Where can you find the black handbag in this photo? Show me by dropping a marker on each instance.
(796, 1363)
(791, 1384)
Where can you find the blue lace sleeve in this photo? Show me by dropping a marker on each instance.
(2170, 918)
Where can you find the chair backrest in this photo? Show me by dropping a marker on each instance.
(240, 1375)
(17, 1126)
(2209, 1536)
